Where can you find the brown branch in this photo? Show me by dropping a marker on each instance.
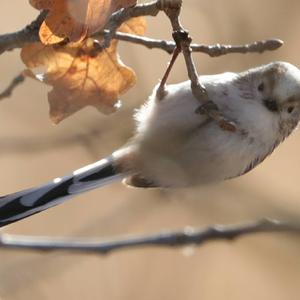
(172, 8)
(255, 47)
(29, 34)
(211, 50)
(189, 236)
(11, 87)
(122, 15)
(169, 46)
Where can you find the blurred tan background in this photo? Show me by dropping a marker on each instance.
(34, 151)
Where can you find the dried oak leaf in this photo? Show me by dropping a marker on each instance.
(75, 19)
(81, 76)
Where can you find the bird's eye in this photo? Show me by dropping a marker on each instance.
(261, 87)
(271, 105)
(290, 109)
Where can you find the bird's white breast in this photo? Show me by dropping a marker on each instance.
(178, 147)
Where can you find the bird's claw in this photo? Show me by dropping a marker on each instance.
(227, 125)
(210, 109)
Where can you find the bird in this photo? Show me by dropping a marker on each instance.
(176, 147)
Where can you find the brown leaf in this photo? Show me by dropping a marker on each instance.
(75, 19)
(81, 75)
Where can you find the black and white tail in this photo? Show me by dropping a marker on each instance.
(25, 203)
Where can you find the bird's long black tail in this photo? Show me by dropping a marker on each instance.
(20, 205)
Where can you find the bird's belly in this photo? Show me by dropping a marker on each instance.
(208, 156)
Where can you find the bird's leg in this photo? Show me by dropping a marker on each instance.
(210, 109)
(161, 91)
(207, 106)
(183, 44)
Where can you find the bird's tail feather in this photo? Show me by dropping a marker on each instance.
(17, 206)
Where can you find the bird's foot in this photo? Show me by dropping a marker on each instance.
(210, 109)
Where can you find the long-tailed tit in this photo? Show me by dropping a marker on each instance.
(176, 147)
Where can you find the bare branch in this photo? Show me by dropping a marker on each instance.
(256, 47)
(189, 236)
(168, 46)
(14, 83)
(122, 15)
(211, 50)
(17, 39)
(30, 34)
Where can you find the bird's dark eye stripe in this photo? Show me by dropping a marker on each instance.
(261, 87)
(271, 105)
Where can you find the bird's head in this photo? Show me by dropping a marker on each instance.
(276, 87)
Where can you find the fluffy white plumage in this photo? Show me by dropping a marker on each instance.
(176, 147)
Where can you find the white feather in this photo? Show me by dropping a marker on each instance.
(175, 146)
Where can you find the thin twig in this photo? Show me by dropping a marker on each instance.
(255, 47)
(211, 50)
(189, 236)
(29, 34)
(14, 83)
(169, 46)
(122, 15)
